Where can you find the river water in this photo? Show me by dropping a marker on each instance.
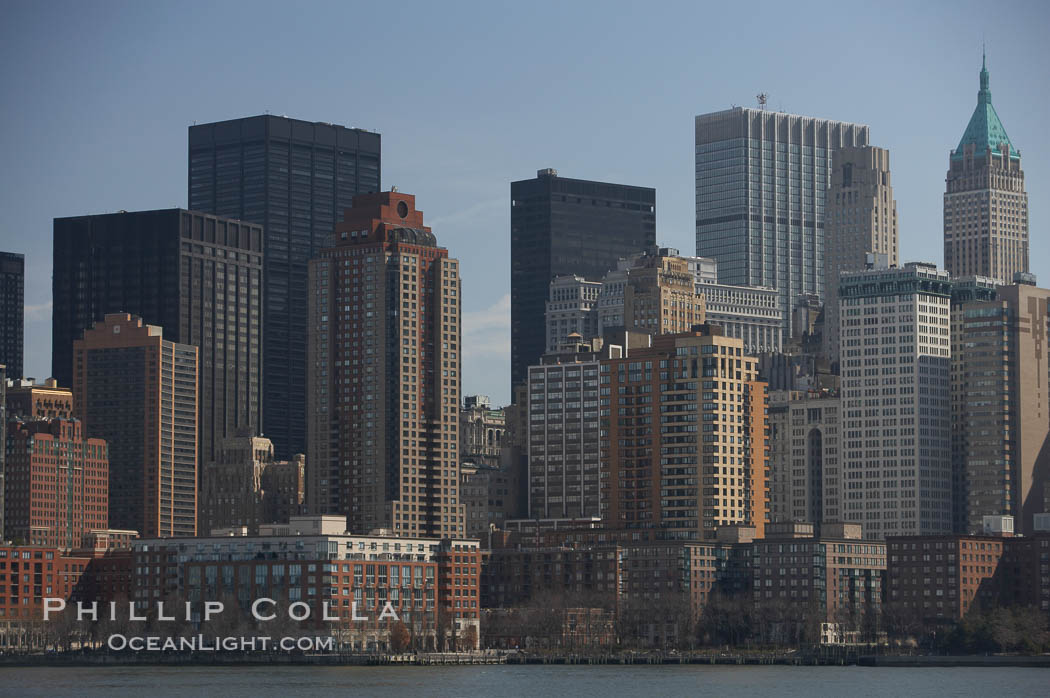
(535, 681)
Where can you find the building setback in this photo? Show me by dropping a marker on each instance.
(562, 226)
(384, 373)
(138, 391)
(197, 276)
(985, 202)
(12, 312)
(895, 426)
(761, 179)
(860, 219)
(57, 483)
(294, 178)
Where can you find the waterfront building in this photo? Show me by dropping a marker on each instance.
(761, 182)
(138, 391)
(431, 584)
(895, 418)
(293, 178)
(562, 226)
(985, 202)
(860, 219)
(385, 354)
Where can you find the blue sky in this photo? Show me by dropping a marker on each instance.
(97, 97)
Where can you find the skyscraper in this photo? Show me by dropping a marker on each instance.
(985, 202)
(895, 419)
(1001, 406)
(562, 226)
(384, 359)
(860, 218)
(294, 178)
(761, 179)
(138, 391)
(12, 311)
(197, 276)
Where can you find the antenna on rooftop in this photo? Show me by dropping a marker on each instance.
(762, 98)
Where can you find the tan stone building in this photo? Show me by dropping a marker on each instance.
(654, 292)
(860, 218)
(985, 202)
(481, 431)
(383, 368)
(246, 487)
(805, 474)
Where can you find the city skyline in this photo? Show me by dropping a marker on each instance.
(483, 129)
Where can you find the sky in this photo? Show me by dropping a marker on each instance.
(97, 97)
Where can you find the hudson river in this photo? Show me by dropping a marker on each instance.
(535, 681)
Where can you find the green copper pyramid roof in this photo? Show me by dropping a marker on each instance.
(984, 130)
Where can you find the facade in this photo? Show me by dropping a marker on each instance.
(294, 178)
(761, 181)
(481, 431)
(683, 440)
(564, 226)
(1025, 566)
(32, 574)
(3, 448)
(749, 313)
(834, 571)
(571, 309)
(895, 424)
(384, 369)
(564, 470)
(196, 275)
(805, 472)
(247, 487)
(12, 312)
(985, 202)
(138, 391)
(490, 497)
(1000, 403)
(860, 218)
(942, 577)
(57, 483)
(29, 400)
(429, 583)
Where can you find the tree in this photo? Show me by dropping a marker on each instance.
(400, 637)
(469, 639)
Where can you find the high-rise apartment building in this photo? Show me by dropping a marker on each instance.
(138, 391)
(3, 440)
(12, 312)
(1001, 406)
(761, 180)
(58, 482)
(197, 276)
(385, 355)
(895, 422)
(683, 439)
(860, 219)
(985, 202)
(295, 178)
(805, 472)
(562, 226)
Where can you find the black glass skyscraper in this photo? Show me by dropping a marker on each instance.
(197, 276)
(294, 178)
(566, 226)
(12, 311)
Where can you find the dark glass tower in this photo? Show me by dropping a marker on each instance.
(197, 276)
(566, 226)
(12, 311)
(294, 178)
